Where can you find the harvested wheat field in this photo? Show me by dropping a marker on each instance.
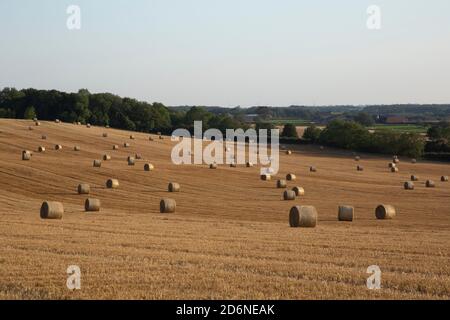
(229, 237)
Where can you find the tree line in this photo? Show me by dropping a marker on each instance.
(374, 113)
(130, 114)
(354, 136)
(106, 109)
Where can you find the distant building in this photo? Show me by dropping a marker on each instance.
(249, 118)
(396, 120)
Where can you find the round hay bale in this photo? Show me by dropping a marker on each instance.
(289, 195)
(131, 161)
(92, 205)
(57, 121)
(76, 148)
(37, 123)
(385, 212)
(312, 169)
(299, 191)
(266, 177)
(413, 161)
(303, 217)
(26, 155)
(213, 166)
(52, 210)
(88, 125)
(359, 168)
(281, 183)
(78, 123)
(112, 183)
(408, 185)
(30, 128)
(430, 184)
(115, 147)
(35, 119)
(346, 213)
(288, 152)
(132, 137)
(394, 169)
(137, 156)
(249, 164)
(107, 126)
(84, 188)
(58, 147)
(151, 139)
(126, 145)
(44, 137)
(444, 178)
(41, 149)
(97, 163)
(173, 187)
(167, 205)
(291, 177)
(357, 158)
(414, 178)
(105, 135)
(148, 167)
(106, 157)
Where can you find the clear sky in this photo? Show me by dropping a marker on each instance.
(231, 52)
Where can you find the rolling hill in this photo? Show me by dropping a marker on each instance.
(229, 237)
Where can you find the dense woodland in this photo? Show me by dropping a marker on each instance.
(105, 109)
(346, 126)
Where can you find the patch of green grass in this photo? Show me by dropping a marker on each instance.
(408, 128)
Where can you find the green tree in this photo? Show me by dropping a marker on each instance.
(13, 101)
(364, 119)
(30, 113)
(160, 117)
(289, 131)
(7, 113)
(345, 134)
(177, 119)
(390, 142)
(411, 145)
(126, 123)
(353, 136)
(440, 131)
(198, 114)
(312, 133)
(264, 113)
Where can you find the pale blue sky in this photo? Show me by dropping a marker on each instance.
(231, 52)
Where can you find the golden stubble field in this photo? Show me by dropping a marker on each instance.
(229, 238)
